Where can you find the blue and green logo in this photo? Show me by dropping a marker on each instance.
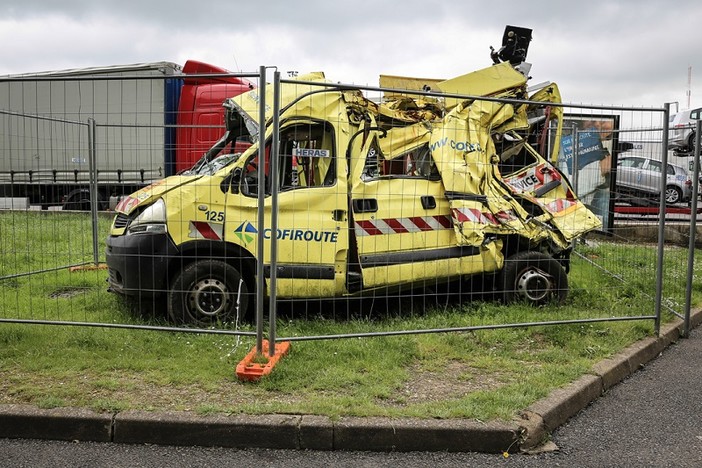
(245, 232)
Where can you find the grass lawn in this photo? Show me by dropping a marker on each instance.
(485, 375)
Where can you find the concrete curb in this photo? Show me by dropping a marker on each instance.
(29, 422)
(404, 435)
(321, 433)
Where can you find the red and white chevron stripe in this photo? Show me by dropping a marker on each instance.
(374, 227)
(204, 230)
(474, 215)
(126, 204)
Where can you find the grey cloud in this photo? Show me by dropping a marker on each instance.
(602, 50)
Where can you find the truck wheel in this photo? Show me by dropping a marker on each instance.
(79, 200)
(205, 292)
(533, 277)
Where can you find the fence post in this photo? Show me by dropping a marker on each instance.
(693, 229)
(661, 220)
(92, 165)
(275, 150)
(261, 278)
(574, 163)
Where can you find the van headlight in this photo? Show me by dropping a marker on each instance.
(152, 220)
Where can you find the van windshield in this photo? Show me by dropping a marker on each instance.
(225, 151)
(215, 165)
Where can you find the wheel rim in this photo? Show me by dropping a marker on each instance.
(671, 195)
(209, 297)
(534, 285)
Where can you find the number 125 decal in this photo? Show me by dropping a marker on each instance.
(215, 216)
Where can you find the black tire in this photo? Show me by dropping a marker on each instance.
(205, 292)
(673, 195)
(80, 201)
(534, 278)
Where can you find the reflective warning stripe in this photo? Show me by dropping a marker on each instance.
(559, 205)
(375, 227)
(473, 215)
(203, 230)
(126, 204)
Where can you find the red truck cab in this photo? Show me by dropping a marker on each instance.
(200, 111)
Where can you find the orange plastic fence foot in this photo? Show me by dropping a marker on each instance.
(256, 365)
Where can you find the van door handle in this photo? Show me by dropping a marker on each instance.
(365, 205)
(428, 202)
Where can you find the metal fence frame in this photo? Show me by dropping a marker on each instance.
(260, 290)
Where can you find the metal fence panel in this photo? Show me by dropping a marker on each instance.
(36, 247)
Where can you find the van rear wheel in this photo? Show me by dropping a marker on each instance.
(207, 292)
(534, 278)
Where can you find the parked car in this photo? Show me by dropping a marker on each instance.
(639, 177)
(681, 137)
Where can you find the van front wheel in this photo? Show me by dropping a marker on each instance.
(207, 292)
(534, 278)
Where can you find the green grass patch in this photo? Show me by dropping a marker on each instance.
(480, 374)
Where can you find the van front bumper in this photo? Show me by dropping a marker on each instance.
(138, 264)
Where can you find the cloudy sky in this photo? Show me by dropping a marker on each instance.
(624, 52)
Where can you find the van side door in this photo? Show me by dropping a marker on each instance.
(402, 221)
(312, 238)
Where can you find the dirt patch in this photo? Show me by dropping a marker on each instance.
(66, 293)
(455, 380)
(130, 392)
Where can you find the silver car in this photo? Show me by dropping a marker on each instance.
(681, 137)
(639, 177)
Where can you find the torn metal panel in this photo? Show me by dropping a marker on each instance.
(400, 140)
(406, 82)
(460, 136)
(544, 186)
(247, 104)
(491, 81)
(465, 155)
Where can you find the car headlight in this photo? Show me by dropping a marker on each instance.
(152, 220)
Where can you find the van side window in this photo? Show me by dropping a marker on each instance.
(306, 159)
(415, 163)
(371, 167)
(307, 156)
(514, 156)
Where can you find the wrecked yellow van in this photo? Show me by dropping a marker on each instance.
(371, 196)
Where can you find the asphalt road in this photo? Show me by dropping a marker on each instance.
(652, 419)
